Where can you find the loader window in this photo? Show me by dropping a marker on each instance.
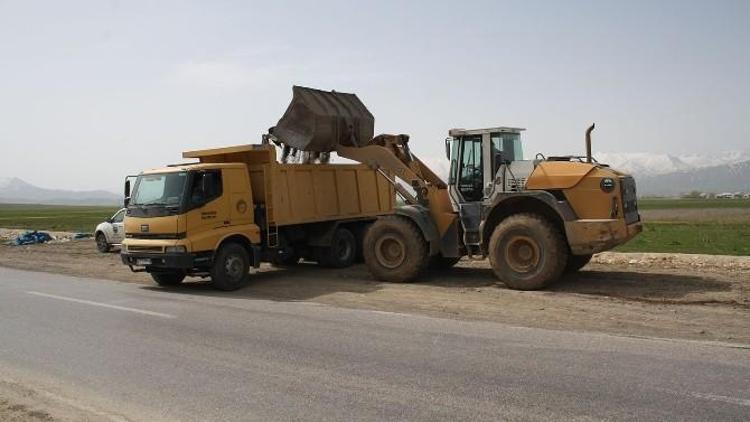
(471, 174)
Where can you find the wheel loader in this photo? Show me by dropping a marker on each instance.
(534, 219)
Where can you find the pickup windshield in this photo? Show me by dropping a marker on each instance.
(164, 189)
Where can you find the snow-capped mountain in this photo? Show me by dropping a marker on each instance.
(647, 164)
(15, 190)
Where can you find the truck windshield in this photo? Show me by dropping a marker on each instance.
(159, 189)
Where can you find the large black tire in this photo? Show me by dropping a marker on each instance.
(395, 249)
(342, 251)
(101, 243)
(576, 262)
(171, 278)
(231, 267)
(439, 262)
(527, 252)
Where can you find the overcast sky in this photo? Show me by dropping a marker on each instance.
(92, 91)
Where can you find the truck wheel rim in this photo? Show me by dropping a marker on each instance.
(343, 250)
(522, 254)
(233, 267)
(390, 251)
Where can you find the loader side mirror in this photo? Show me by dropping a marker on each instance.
(448, 148)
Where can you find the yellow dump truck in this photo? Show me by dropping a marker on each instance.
(238, 206)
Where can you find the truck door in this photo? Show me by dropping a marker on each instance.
(207, 207)
(118, 227)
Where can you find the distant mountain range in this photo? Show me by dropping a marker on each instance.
(656, 174)
(15, 190)
(665, 174)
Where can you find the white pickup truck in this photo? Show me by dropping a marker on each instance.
(110, 232)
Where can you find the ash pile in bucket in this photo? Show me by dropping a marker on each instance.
(317, 121)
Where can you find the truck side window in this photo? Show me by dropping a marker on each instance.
(205, 188)
(471, 173)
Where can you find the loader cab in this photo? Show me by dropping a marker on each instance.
(476, 156)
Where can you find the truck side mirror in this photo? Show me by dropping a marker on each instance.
(127, 188)
(126, 202)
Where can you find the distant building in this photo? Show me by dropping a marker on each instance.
(726, 195)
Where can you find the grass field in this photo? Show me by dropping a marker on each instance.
(672, 203)
(708, 226)
(53, 217)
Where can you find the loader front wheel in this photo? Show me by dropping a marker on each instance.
(527, 252)
(395, 250)
(576, 262)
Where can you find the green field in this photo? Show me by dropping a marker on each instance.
(685, 229)
(675, 203)
(53, 217)
(689, 237)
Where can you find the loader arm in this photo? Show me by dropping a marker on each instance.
(390, 154)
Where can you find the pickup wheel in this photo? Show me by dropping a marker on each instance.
(171, 278)
(342, 251)
(231, 267)
(576, 262)
(527, 252)
(101, 243)
(395, 249)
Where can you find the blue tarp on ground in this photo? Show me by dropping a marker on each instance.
(31, 238)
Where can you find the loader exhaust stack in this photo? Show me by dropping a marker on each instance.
(588, 142)
(317, 121)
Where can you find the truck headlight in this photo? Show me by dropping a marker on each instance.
(175, 249)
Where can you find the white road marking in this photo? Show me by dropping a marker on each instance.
(103, 305)
(725, 399)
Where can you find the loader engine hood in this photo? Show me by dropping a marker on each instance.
(320, 120)
(558, 174)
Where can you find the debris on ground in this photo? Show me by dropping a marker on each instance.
(32, 238)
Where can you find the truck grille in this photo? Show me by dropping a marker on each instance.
(141, 248)
(629, 200)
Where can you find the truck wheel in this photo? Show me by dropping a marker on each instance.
(527, 252)
(395, 249)
(342, 251)
(231, 267)
(101, 243)
(576, 262)
(171, 278)
(439, 262)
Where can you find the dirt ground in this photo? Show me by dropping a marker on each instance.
(663, 295)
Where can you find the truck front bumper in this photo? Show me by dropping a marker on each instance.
(592, 236)
(162, 261)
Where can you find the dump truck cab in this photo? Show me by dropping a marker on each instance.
(178, 216)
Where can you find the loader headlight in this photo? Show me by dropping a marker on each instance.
(607, 184)
(175, 249)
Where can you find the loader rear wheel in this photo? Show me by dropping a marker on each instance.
(171, 278)
(576, 262)
(342, 251)
(395, 249)
(527, 252)
(231, 267)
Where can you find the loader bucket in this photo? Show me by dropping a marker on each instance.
(319, 120)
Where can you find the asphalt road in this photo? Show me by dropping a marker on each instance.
(142, 353)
